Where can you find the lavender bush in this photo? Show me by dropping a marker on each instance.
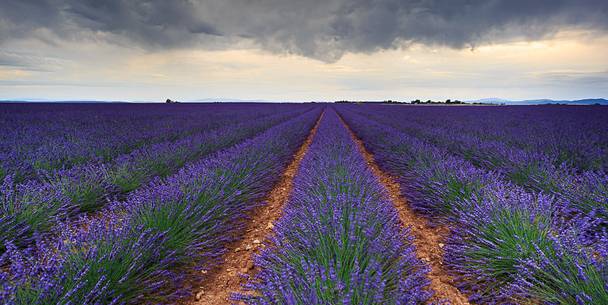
(136, 252)
(339, 241)
(44, 137)
(504, 237)
(580, 189)
(89, 187)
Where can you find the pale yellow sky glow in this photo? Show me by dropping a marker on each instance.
(569, 65)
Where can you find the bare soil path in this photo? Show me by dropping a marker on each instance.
(429, 241)
(226, 278)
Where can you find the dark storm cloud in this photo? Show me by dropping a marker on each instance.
(319, 29)
(147, 23)
(150, 22)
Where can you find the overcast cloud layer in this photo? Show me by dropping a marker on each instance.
(303, 49)
(322, 30)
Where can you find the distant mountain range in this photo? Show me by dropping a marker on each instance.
(588, 101)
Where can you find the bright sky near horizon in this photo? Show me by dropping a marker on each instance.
(303, 50)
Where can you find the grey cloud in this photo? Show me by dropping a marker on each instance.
(29, 61)
(147, 22)
(577, 78)
(319, 29)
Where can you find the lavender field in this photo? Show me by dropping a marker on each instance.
(303, 204)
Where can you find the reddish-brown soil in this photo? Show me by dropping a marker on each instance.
(238, 260)
(429, 241)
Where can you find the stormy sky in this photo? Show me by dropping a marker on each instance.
(303, 50)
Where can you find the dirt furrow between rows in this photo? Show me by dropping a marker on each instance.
(429, 241)
(238, 260)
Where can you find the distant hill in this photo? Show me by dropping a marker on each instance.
(491, 100)
(588, 101)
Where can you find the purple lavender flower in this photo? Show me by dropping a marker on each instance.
(339, 240)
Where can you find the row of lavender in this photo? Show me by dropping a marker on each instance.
(34, 206)
(41, 138)
(508, 244)
(577, 136)
(137, 250)
(339, 240)
(580, 194)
